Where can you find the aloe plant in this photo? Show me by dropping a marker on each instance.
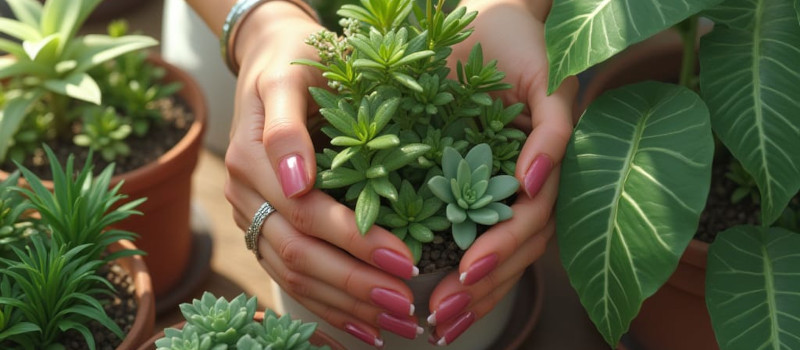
(636, 173)
(393, 112)
(216, 323)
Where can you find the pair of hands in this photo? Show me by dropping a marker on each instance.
(311, 246)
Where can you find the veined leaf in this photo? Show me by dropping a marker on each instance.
(797, 9)
(78, 85)
(751, 288)
(747, 76)
(635, 178)
(582, 33)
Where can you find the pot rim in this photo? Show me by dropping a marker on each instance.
(145, 312)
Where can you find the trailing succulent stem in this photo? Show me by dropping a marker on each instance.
(394, 115)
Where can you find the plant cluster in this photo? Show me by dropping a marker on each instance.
(50, 284)
(399, 127)
(54, 81)
(216, 323)
(637, 171)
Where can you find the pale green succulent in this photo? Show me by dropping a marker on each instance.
(472, 195)
(216, 324)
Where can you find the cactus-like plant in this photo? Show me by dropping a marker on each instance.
(472, 195)
(216, 323)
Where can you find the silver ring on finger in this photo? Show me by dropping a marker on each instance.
(254, 231)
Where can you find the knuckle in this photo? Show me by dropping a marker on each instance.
(280, 130)
(301, 218)
(292, 252)
(296, 284)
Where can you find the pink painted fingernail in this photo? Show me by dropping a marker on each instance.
(537, 174)
(402, 327)
(478, 270)
(454, 331)
(363, 335)
(392, 301)
(394, 263)
(449, 307)
(292, 171)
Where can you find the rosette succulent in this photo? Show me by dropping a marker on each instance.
(472, 194)
(216, 324)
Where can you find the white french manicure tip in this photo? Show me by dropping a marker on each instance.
(432, 319)
(420, 330)
(442, 342)
(415, 271)
(378, 343)
(411, 310)
(462, 277)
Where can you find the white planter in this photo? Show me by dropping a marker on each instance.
(481, 335)
(189, 44)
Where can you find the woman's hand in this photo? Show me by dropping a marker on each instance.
(512, 32)
(310, 246)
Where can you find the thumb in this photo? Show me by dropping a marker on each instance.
(552, 126)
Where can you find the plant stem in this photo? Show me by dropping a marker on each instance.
(688, 32)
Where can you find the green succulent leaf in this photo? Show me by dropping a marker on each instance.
(19, 30)
(11, 117)
(420, 232)
(582, 33)
(464, 233)
(455, 213)
(384, 188)
(94, 49)
(479, 155)
(367, 208)
(42, 50)
(339, 177)
(746, 74)
(751, 288)
(450, 160)
(502, 187)
(635, 178)
(436, 223)
(324, 98)
(483, 216)
(384, 142)
(415, 247)
(440, 187)
(26, 11)
(503, 211)
(79, 86)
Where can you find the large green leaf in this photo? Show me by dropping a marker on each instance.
(749, 76)
(94, 49)
(18, 30)
(26, 11)
(78, 85)
(633, 183)
(582, 33)
(752, 285)
(797, 8)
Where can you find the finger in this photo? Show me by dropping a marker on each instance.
(451, 298)
(315, 214)
(493, 247)
(552, 127)
(446, 333)
(308, 256)
(285, 136)
(360, 330)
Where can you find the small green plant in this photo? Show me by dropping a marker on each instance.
(80, 209)
(394, 114)
(58, 286)
(216, 323)
(103, 131)
(745, 184)
(14, 227)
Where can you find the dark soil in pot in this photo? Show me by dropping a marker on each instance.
(120, 307)
(159, 139)
(440, 255)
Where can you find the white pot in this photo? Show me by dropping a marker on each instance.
(189, 44)
(481, 335)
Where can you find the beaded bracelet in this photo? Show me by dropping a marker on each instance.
(234, 20)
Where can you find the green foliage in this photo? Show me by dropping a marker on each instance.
(52, 73)
(58, 286)
(749, 77)
(393, 113)
(14, 228)
(80, 210)
(216, 323)
(472, 195)
(103, 132)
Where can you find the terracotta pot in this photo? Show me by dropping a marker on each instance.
(145, 300)
(164, 229)
(319, 338)
(675, 317)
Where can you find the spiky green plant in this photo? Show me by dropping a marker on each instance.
(472, 194)
(58, 287)
(216, 323)
(80, 210)
(14, 228)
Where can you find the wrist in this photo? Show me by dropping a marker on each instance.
(261, 23)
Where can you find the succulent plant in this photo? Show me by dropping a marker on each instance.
(216, 324)
(472, 195)
(414, 217)
(103, 131)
